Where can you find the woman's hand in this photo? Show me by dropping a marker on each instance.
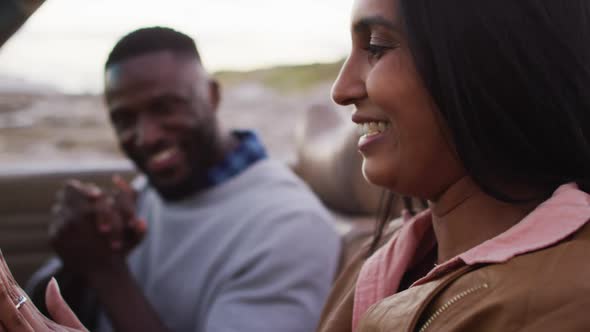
(27, 318)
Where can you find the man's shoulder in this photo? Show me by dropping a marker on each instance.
(279, 203)
(271, 171)
(278, 182)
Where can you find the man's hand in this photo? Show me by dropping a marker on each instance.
(82, 213)
(134, 229)
(93, 229)
(92, 232)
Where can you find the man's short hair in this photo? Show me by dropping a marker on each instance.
(150, 40)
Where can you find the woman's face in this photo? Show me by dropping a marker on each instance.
(402, 142)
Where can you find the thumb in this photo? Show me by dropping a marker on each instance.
(124, 187)
(406, 215)
(58, 309)
(136, 233)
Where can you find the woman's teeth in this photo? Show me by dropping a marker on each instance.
(372, 128)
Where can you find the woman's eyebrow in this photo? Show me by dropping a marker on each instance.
(367, 22)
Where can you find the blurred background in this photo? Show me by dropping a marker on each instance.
(275, 59)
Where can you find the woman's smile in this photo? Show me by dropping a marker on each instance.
(371, 132)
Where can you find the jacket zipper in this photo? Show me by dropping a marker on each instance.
(449, 303)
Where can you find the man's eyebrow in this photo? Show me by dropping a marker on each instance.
(367, 22)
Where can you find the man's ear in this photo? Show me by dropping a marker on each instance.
(214, 93)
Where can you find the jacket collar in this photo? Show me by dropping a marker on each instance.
(563, 214)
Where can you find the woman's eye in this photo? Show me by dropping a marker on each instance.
(377, 46)
(376, 51)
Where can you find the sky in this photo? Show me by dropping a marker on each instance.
(65, 43)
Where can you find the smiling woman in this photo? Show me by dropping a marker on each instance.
(380, 80)
(479, 107)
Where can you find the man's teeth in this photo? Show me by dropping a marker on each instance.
(372, 128)
(163, 155)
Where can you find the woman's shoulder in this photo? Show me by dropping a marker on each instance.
(541, 290)
(337, 313)
(560, 267)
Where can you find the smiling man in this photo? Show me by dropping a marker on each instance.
(235, 241)
(162, 104)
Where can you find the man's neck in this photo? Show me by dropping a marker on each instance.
(227, 143)
(464, 217)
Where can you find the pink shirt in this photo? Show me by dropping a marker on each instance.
(560, 216)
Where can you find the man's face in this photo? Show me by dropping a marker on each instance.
(162, 106)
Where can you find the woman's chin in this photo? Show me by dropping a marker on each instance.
(377, 174)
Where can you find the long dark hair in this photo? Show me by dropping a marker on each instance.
(511, 79)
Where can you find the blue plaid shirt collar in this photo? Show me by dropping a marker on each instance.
(249, 151)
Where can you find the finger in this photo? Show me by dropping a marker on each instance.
(89, 190)
(75, 193)
(58, 309)
(406, 215)
(138, 226)
(124, 186)
(125, 206)
(12, 319)
(104, 211)
(34, 317)
(15, 296)
(60, 215)
(79, 201)
(10, 316)
(125, 199)
(138, 231)
(116, 236)
(7, 279)
(109, 222)
(26, 317)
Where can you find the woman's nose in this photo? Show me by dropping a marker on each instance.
(349, 86)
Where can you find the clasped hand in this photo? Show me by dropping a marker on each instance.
(93, 228)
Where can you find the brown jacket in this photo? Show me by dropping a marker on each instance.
(545, 290)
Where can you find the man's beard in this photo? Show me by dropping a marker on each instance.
(202, 151)
(181, 190)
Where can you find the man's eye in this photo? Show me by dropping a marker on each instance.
(122, 122)
(168, 105)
